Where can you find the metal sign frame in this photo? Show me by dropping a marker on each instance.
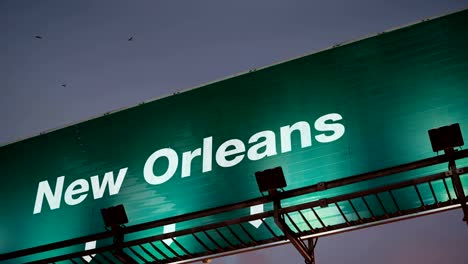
(284, 221)
(279, 221)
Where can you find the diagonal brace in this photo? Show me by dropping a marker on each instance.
(307, 251)
(457, 185)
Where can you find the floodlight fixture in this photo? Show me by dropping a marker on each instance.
(271, 179)
(446, 137)
(114, 216)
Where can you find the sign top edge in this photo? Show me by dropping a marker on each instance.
(337, 45)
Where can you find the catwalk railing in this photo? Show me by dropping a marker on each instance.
(389, 202)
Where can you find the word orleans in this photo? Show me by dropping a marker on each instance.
(228, 154)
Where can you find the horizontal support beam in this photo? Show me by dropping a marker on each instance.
(245, 204)
(345, 197)
(374, 174)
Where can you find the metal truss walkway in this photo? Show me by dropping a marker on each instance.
(284, 221)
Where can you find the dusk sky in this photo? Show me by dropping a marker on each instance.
(83, 65)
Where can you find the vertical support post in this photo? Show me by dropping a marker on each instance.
(457, 185)
(311, 244)
(118, 245)
(307, 252)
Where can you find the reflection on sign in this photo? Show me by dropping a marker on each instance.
(256, 209)
(345, 111)
(169, 229)
(88, 246)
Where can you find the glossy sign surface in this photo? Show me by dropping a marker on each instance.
(343, 111)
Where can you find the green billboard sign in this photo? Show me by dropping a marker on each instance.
(340, 112)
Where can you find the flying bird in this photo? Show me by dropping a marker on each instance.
(38, 37)
(130, 39)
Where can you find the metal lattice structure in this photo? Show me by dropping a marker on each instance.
(284, 222)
